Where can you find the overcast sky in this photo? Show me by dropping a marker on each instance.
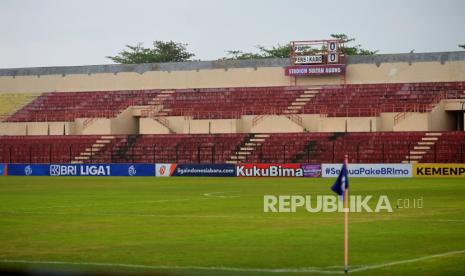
(60, 32)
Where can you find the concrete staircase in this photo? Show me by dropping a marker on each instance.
(93, 150)
(247, 148)
(158, 102)
(291, 112)
(422, 147)
(157, 111)
(462, 96)
(299, 102)
(164, 122)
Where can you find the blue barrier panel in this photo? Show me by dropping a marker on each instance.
(133, 169)
(205, 170)
(82, 169)
(28, 169)
(2, 169)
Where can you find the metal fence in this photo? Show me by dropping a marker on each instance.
(286, 152)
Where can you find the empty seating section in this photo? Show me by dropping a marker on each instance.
(354, 100)
(43, 149)
(178, 148)
(231, 102)
(373, 147)
(285, 147)
(11, 102)
(358, 100)
(105, 154)
(378, 147)
(450, 148)
(66, 106)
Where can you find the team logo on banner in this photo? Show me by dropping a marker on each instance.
(28, 170)
(164, 169)
(132, 170)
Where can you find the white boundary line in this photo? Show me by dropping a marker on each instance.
(451, 220)
(207, 196)
(110, 214)
(106, 214)
(218, 195)
(117, 204)
(369, 267)
(163, 267)
(323, 270)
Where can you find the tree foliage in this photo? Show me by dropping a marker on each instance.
(238, 54)
(171, 51)
(355, 50)
(161, 51)
(279, 51)
(284, 51)
(462, 46)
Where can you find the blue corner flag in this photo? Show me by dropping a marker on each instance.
(342, 181)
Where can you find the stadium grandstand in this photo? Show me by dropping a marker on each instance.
(224, 138)
(389, 108)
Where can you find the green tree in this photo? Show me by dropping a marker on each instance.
(161, 51)
(462, 46)
(355, 50)
(237, 54)
(279, 51)
(284, 51)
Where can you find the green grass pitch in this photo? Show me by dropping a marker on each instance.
(217, 226)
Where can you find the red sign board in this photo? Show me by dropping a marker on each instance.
(315, 70)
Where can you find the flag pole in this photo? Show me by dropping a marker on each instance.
(346, 222)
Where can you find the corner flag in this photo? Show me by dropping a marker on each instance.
(341, 187)
(342, 181)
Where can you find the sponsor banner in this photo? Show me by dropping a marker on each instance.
(82, 169)
(311, 170)
(273, 170)
(369, 170)
(2, 170)
(164, 169)
(314, 70)
(439, 170)
(204, 170)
